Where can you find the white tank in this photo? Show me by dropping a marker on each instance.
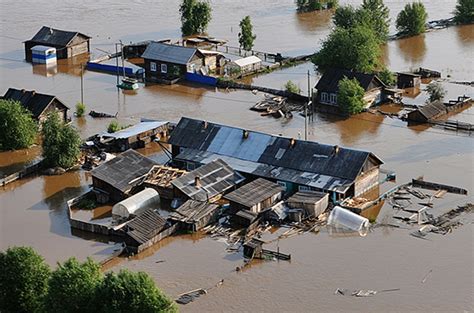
(341, 217)
(136, 203)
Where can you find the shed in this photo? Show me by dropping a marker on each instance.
(208, 182)
(243, 218)
(166, 62)
(160, 178)
(212, 59)
(255, 196)
(408, 80)
(245, 65)
(43, 55)
(253, 248)
(115, 179)
(194, 215)
(312, 202)
(427, 112)
(39, 104)
(277, 213)
(135, 204)
(67, 43)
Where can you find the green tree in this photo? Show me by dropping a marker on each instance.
(412, 19)
(195, 16)
(356, 48)
(113, 127)
(436, 91)
(73, 286)
(17, 128)
(61, 143)
(246, 36)
(23, 280)
(387, 77)
(132, 292)
(80, 109)
(292, 87)
(464, 12)
(350, 96)
(345, 17)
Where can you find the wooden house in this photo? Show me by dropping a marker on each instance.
(116, 179)
(40, 105)
(296, 165)
(328, 87)
(165, 63)
(408, 80)
(67, 43)
(427, 112)
(255, 196)
(312, 202)
(208, 182)
(194, 215)
(160, 178)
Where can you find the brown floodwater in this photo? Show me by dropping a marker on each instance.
(33, 211)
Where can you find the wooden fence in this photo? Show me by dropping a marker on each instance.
(33, 168)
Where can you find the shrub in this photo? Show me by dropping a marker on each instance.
(436, 91)
(80, 109)
(464, 12)
(350, 96)
(18, 130)
(113, 127)
(292, 87)
(387, 77)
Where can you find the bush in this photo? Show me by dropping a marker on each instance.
(350, 96)
(23, 280)
(18, 129)
(436, 91)
(292, 87)
(387, 77)
(412, 19)
(464, 12)
(113, 127)
(80, 109)
(61, 143)
(86, 204)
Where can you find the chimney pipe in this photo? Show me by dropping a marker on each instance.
(245, 134)
(292, 142)
(336, 149)
(204, 124)
(197, 182)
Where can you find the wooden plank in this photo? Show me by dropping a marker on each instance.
(437, 186)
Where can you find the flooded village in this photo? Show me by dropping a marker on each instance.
(232, 191)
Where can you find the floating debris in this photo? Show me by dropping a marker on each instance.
(190, 296)
(426, 276)
(361, 292)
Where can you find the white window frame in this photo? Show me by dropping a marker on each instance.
(324, 97)
(190, 166)
(153, 66)
(164, 68)
(333, 98)
(304, 188)
(282, 184)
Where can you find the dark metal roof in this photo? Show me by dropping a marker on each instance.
(215, 178)
(254, 192)
(145, 226)
(35, 102)
(193, 211)
(303, 156)
(310, 197)
(330, 79)
(121, 171)
(430, 110)
(56, 37)
(169, 53)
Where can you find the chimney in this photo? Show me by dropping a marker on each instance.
(33, 92)
(197, 182)
(336, 149)
(50, 30)
(292, 142)
(204, 124)
(245, 134)
(23, 91)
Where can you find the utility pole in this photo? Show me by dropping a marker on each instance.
(121, 52)
(116, 63)
(306, 108)
(82, 83)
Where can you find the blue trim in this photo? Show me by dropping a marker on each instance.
(108, 68)
(202, 79)
(43, 57)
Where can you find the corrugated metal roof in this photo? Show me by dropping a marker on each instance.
(330, 79)
(56, 37)
(215, 177)
(35, 102)
(310, 197)
(135, 129)
(145, 226)
(193, 211)
(303, 156)
(123, 169)
(254, 192)
(247, 61)
(168, 53)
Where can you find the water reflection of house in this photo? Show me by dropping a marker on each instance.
(294, 164)
(67, 43)
(40, 105)
(47, 70)
(328, 87)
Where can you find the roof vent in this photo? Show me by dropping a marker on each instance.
(33, 92)
(336, 149)
(292, 142)
(204, 124)
(197, 182)
(245, 134)
(50, 30)
(23, 91)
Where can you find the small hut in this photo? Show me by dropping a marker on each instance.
(312, 202)
(408, 80)
(194, 215)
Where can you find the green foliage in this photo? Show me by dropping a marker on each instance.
(80, 109)
(86, 204)
(72, 287)
(132, 292)
(113, 127)
(61, 143)
(464, 12)
(387, 77)
(195, 16)
(17, 128)
(292, 87)
(436, 91)
(350, 96)
(314, 5)
(356, 48)
(412, 19)
(373, 14)
(174, 71)
(23, 280)
(246, 36)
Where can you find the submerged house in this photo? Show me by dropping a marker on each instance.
(408, 80)
(427, 112)
(67, 43)
(167, 63)
(40, 105)
(328, 87)
(160, 178)
(296, 165)
(312, 202)
(194, 215)
(115, 180)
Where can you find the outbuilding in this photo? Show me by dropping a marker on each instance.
(312, 202)
(427, 112)
(408, 80)
(134, 205)
(245, 65)
(194, 215)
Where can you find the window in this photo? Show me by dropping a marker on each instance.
(190, 166)
(164, 68)
(283, 184)
(333, 98)
(153, 66)
(304, 188)
(324, 97)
